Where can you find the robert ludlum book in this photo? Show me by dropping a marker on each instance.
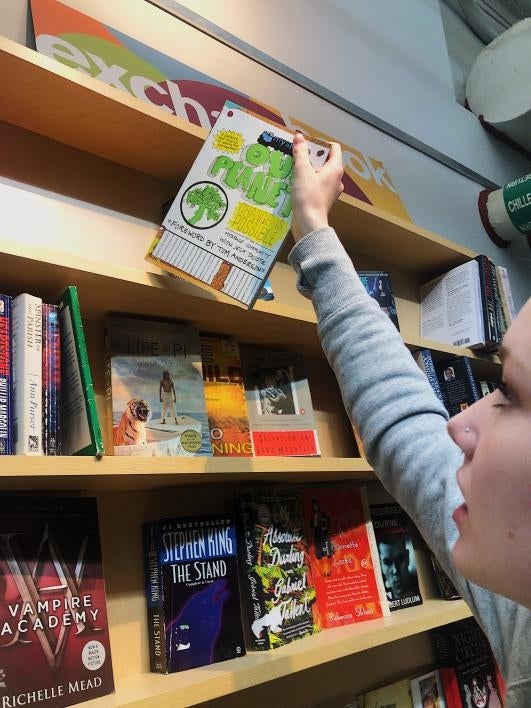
(279, 403)
(154, 388)
(378, 286)
(233, 211)
(225, 397)
(397, 555)
(6, 378)
(54, 641)
(192, 592)
(277, 589)
(343, 554)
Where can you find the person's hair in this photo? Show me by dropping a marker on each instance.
(392, 539)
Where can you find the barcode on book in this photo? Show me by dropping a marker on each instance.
(461, 342)
(203, 265)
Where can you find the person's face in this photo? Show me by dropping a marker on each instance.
(494, 523)
(394, 559)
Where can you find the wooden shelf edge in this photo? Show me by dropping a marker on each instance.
(207, 683)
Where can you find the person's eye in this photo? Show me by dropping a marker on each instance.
(506, 393)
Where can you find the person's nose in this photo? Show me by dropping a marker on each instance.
(463, 432)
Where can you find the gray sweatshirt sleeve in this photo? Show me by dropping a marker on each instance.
(401, 422)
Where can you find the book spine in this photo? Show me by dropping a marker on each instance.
(155, 601)
(471, 379)
(425, 361)
(487, 299)
(27, 373)
(506, 293)
(6, 380)
(497, 302)
(51, 380)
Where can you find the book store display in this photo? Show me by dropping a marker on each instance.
(255, 495)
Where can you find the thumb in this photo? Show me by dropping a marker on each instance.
(300, 154)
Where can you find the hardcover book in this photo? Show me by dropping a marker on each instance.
(279, 403)
(233, 210)
(51, 380)
(192, 592)
(26, 314)
(80, 426)
(466, 665)
(397, 555)
(225, 397)
(378, 285)
(277, 588)
(154, 388)
(54, 639)
(6, 380)
(343, 555)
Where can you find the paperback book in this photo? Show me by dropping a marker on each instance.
(460, 389)
(378, 285)
(427, 691)
(80, 425)
(225, 397)
(51, 380)
(55, 641)
(154, 388)
(192, 592)
(397, 555)
(277, 587)
(343, 555)
(393, 695)
(6, 380)
(279, 403)
(233, 211)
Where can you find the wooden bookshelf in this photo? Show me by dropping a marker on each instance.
(70, 134)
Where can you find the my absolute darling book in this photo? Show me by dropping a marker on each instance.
(154, 388)
(233, 211)
(277, 588)
(225, 397)
(192, 592)
(54, 640)
(378, 285)
(397, 555)
(343, 555)
(279, 403)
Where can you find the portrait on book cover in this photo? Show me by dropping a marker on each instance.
(277, 393)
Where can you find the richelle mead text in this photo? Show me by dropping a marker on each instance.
(53, 693)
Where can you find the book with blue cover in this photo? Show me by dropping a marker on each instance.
(192, 592)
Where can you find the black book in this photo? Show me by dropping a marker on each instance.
(459, 386)
(192, 592)
(378, 284)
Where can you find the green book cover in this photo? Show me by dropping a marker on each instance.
(81, 432)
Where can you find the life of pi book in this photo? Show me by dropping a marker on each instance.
(233, 210)
(54, 641)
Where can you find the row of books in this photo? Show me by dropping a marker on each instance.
(47, 403)
(469, 306)
(453, 380)
(466, 675)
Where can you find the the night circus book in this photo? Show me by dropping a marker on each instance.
(54, 641)
(192, 592)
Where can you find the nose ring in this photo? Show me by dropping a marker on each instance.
(467, 429)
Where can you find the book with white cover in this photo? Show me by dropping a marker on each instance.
(27, 373)
(451, 310)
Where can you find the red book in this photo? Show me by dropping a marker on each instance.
(343, 555)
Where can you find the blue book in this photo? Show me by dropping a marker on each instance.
(6, 378)
(192, 592)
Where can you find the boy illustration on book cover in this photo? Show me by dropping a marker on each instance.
(155, 388)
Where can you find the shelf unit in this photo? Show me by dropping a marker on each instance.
(89, 141)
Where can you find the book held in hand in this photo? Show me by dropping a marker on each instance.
(192, 591)
(233, 211)
(55, 640)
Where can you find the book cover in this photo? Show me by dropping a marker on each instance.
(51, 380)
(54, 644)
(192, 592)
(80, 425)
(277, 588)
(466, 665)
(233, 210)
(397, 555)
(458, 384)
(343, 555)
(378, 285)
(427, 691)
(155, 388)
(6, 378)
(225, 397)
(393, 695)
(26, 311)
(279, 403)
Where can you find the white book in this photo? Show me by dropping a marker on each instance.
(451, 310)
(506, 294)
(427, 690)
(27, 374)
